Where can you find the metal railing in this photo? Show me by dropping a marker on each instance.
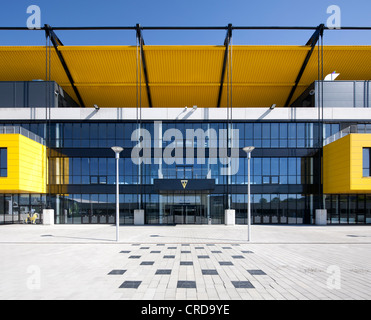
(23, 132)
(356, 128)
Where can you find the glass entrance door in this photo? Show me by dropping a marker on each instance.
(178, 213)
(184, 208)
(185, 214)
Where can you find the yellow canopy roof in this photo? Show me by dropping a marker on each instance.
(180, 76)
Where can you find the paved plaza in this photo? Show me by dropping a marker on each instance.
(185, 262)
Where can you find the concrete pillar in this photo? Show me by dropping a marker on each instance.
(229, 217)
(139, 217)
(48, 217)
(321, 217)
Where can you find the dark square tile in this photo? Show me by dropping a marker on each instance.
(169, 257)
(185, 251)
(225, 263)
(163, 271)
(210, 244)
(256, 272)
(160, 244)
(147, 263)
(242, 284)
(134, 257)
(216, 251)
(154, 235)
(226, 248)
(144, 248)
(209, 272)
(171, 247)
(117, 272)
(155, 251)
(203, 257)
(238, 257)
(185, 244)
(125, 251)
(131, 284)
(186, 284)
(246, 251)
(136, 244)
(186, 263)
(199, 248)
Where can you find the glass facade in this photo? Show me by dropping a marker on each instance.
(3, 162)
(285, 175)
(366, 164)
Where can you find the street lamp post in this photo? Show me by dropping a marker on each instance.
(117, 151)
(248, 151)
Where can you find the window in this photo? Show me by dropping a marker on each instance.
(3, 162)
(366, 162)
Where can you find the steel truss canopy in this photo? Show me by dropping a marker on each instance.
(179, 76)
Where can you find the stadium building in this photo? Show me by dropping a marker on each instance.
(183, 115)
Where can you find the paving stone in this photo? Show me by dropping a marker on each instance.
(131, 284)
(117, 272)
(225, 263)
(163, 271)
(256, 272)
(209, 272)
(186, 284)
(242, 284)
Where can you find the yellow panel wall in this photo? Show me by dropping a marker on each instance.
(342, 165)
(26, 165)
(358, 183)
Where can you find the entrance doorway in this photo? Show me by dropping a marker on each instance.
(187, 214)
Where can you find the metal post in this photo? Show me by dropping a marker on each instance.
(248, 198)
(248, 151)
(117, 151)
(117, 197)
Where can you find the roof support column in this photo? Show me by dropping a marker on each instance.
(141, 43)
(227, 41)
(56, 42)
(312, 43)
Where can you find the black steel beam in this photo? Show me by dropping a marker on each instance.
(141, 43)
(227, 41)
(312, 43)
(186, 28)
(57, 42)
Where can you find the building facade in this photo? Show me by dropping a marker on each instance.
(184, 164)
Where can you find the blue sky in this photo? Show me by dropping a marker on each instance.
(185, 13)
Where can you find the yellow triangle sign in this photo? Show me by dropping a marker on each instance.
(184, 183)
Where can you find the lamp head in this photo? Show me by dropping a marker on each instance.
(248, 149)
(117, 149)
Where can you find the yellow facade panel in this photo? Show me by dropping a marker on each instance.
(342, 165)
(26, 165)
